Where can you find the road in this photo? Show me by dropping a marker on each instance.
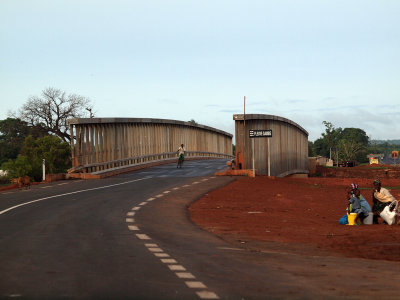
(129, 237)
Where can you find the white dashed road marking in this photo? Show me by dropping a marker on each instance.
(195, 284)
(161, 254)
(176, 268)
(185, 275)
(168, 261)
(155, 250)
(207, 295)
(141, 236)
(172, 264)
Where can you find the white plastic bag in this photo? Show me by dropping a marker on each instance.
(389, 213)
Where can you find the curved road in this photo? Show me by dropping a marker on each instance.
(129, 237)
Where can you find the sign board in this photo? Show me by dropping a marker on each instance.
(395, 154)
(254, 133)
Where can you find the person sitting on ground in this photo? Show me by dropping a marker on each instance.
(354, 206)
(365, 207)
(381, 198)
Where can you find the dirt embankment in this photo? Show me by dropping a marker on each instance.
(297, 214)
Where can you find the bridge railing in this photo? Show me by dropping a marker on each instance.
(143, 159)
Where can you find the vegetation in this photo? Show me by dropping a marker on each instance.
(40, 132)
(349, 144)
(12, 136)
(57, 155)
(51, 111)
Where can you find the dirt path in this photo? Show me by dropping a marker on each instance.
(300, 215)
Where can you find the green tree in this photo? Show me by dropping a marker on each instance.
(18, 167)
(56, 153)
(330, 139)
(311, 151)
(12, 136)
(353, 144)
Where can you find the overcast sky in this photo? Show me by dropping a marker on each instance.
(307, 61)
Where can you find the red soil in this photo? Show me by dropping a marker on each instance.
(296, 213)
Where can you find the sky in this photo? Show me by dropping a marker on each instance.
(307, 61)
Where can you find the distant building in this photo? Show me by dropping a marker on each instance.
(375, 158)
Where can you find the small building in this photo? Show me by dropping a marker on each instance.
(375, 158)
(276, 145)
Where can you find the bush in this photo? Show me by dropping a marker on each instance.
(51, 148)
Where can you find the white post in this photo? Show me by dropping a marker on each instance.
(269, 159)
(44, 169)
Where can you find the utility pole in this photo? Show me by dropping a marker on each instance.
(244, 129)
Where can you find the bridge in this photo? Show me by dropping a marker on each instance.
(107, 146)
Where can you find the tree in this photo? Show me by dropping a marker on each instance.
(52, 110)
(311, 151)
(18, 167)
(192, 122)
(353, 144)
(56, 153)
(12, 136)
(329, 139)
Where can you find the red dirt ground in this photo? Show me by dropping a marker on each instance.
(297, 213)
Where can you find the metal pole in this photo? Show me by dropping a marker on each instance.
(44, 169)
(252, 154)
(269, 159)
(244, 130)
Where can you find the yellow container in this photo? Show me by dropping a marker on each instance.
(351, 218)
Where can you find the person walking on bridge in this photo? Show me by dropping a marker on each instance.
(181, 153)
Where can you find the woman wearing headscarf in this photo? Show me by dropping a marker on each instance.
(381, 198)
(357, 203)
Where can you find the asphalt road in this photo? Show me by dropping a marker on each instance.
(129, 237)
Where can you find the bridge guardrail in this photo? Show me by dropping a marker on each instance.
(100, 166)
